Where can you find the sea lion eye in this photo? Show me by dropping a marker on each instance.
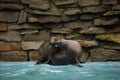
(56, 45)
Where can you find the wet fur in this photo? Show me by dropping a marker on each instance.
(44, 53)
(69, 51)
(59, 52)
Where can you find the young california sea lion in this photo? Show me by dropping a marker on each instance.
(68, 51)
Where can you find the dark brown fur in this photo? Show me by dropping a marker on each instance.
(44, 53)
(57, 53)
(66, 53)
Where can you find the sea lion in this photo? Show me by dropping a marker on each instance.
(68, 51)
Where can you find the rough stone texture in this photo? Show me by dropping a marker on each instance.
(94, 9)
(68, 6)
(86, 17)
(37, 4)
(114, 29)
(10, 46)
(41, 36)
(62, 30)
(10, 36)
(116, 7)
(13, 56)
(112, 13)
(33, 55)
(24, 26)
(78, 24)
(64, 2)
(33, 19)
(86, 43)
(11, 1)
(102, 55)
(31, 45)
(109, 37)
(93, 30)
(53, 11)
(49, 19)
(3, 27)
(53, 25)
(57, 19)
(72, 36)
(9, 16)
(109, 1)
(15, 46)
(10, 6)
(22, 17)
(77, 36)
(28, 32)
(52, 19)
(111, 21)
(89, 2)
(4, 46)
(109, 45)
(72, 11)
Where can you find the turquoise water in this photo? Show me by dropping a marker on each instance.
(30, 71)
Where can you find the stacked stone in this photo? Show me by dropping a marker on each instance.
(26, 24)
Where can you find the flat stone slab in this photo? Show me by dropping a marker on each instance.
(86, 17)
(37, 4)
(23, 32)
(53, 25)
(72, 11)
(62, 31)
(116, 7)
(64, 2)
(94, 9)
(10, 36)
(109, 13)
(10, 1)
(111, 21)
(11, 6)
(53, 11)
(78, 24)
(103, 55)
(109, 37)
(89, 2)
(109, 1)
(9, 16)
(3, 26)
(55, 19)
(86, 43)
(31, 45)
(14, 56)
(43, 35)
(24, 26)
(22, 17)
(92, 30)
(4, 46)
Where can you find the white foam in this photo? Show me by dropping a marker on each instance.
(56, 71)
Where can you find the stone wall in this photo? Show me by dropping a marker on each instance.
(26, 24)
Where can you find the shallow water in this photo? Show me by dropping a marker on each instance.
(30, 71)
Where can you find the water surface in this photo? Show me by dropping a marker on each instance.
(30, 71)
